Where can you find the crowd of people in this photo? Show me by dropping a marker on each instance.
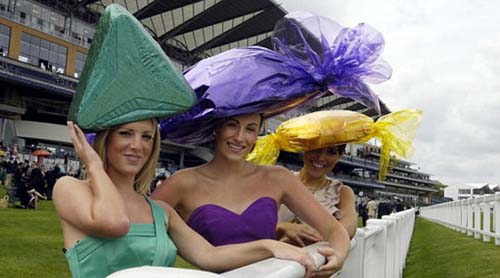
(27, 179)
(369, 207)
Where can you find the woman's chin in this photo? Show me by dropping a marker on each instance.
(315, 173)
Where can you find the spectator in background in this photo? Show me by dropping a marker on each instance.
(156, 182)
(3, 172)
(171, 168)
(399, 205)
(372, 207)
(363, 210)
(384, 207)
(37, 180)
(21, 187)
(50, 177)
(62, 170)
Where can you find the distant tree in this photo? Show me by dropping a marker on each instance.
(440, 189)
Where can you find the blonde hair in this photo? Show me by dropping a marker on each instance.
(143, 179)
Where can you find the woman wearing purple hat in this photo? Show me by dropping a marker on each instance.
(230, 200)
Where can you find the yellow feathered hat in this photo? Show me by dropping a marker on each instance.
(321, 129)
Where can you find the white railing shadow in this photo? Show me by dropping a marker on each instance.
(478, 217)
(383, 242)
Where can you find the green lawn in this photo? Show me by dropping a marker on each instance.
(436, 251)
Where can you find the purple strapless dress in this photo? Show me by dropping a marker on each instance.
(220, 226)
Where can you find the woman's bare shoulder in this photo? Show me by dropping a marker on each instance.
(183, 179)
(346, 194)
(279, 174)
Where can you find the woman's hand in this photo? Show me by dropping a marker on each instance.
(333, 263)
(286, 251)
(86, 153)
(298, 233)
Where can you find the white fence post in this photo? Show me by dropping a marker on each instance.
(458, 216)
(463, 225)
(477, 217)
(497, 218)
(375, 249)
(394, 246)
(486, 220)
(353, 265)
(466, 216)
(470, 209)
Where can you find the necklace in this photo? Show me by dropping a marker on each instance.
(314, 187)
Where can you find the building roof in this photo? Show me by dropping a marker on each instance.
(189, 30)
(476, 185)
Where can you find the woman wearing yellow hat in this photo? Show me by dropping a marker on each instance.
(322, 137)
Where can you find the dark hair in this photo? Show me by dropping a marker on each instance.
(342, 148)
(221, 121)
(261, 115)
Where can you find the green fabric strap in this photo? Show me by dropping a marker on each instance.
(159, 217)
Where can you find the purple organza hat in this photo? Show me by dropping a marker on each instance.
(312, 56)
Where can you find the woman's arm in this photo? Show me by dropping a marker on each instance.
(347, 205)
(303, 204)
(195, 249)
(94, 207)
(297, 234)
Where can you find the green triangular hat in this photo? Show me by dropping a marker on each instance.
(127, 77)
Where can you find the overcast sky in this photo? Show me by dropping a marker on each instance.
(446, 60)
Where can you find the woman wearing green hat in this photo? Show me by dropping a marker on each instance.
(108, 222)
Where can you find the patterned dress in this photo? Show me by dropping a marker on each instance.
(327, 196)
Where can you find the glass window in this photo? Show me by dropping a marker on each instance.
(35, 40)
(54, 47)
(52, 57)
(62, 49)
(4, 29)
(61, 59)
(4, 39)
(38, 50)
(25, 48)
(44, 53)
(25, 37)
(80, 62)
(45, 44)
(35, 50)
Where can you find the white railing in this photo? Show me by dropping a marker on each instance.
(466, 216)
(383, 242)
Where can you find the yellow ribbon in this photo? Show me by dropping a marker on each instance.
(321, 129)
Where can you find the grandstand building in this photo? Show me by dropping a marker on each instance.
(44, 44)
(470, 190)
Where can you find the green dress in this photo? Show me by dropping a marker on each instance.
(143, 245)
